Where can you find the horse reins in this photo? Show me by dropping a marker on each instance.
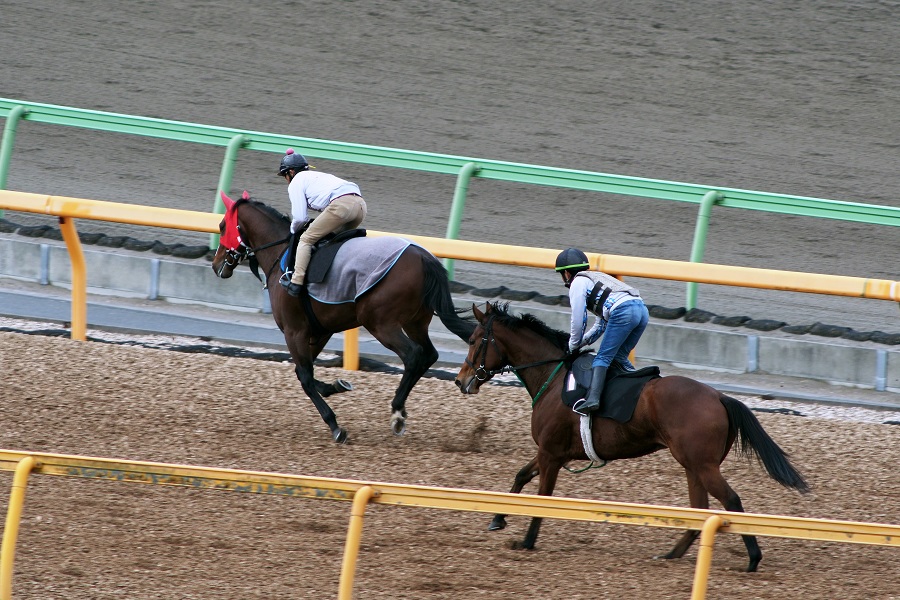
(482, 373)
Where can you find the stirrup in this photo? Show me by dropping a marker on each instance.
(582, 408)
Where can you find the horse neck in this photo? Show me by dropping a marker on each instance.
(261, 229)
(534, 349)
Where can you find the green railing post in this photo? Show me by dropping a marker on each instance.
(456, 209)
(6, 146)
(231, 150)
(706, 204)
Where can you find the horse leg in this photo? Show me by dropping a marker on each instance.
(549, 468)
(327, 389)
(717, 486)
(699, 498)
(304, 371)
(416, 360)
(700, 485)
(523, 477)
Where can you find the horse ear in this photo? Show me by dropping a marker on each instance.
(228, 202)
(245, 195)
(478, 314)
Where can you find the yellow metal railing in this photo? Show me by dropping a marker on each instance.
(361, 493)
(76, 208)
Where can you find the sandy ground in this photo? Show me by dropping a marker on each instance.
(90, 540)
(770, 97)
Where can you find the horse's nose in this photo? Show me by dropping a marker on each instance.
(466, 386)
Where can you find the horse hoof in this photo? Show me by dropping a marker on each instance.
(497, 524)
(339, 435)
(342, 385)
(398, 426)
(520, 546)
(398, 422)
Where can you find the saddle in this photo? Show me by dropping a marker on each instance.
(323, 253)
(620, 392)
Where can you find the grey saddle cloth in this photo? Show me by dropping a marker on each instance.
(620, 393)
(358, 265)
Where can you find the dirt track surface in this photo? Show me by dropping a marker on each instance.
(771, 97)
(90, 540)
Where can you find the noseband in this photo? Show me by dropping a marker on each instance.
(481, 372)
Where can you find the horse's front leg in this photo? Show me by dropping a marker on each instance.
(339, 386)
(523, 477)
(548, 467)
(303, 353)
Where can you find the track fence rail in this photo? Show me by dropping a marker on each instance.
(463, 167)
(361, 493)
(69, 209)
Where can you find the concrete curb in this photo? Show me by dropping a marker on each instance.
(122, 273)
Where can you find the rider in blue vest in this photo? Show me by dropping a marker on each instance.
(620, 317)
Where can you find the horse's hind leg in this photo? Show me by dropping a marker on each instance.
(719, 488)
(710, 481)
(416, 360)
(523, 477)
(699, 498)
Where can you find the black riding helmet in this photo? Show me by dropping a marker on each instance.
(292, 160)
(571, 260)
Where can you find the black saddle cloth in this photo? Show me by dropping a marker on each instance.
(323, 253)
(620, 392)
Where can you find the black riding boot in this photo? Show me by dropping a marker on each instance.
(591, 402)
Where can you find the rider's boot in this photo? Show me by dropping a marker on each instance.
(591, 402)
(294, 289)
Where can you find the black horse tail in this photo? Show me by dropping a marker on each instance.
(437, 298)
(755, 441)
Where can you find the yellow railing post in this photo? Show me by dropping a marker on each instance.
(11, 530)
(79, 278)
(704, 555)
(351, 349)
(351, 546)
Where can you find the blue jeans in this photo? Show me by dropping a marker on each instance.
(627, 323)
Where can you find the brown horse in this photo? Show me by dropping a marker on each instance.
(397, 310)
(694, 421)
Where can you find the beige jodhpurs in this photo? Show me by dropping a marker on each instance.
(344, 212)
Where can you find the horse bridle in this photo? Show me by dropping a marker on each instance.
(235, 256)
(482, 373)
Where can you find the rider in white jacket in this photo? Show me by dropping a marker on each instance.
(339, 202)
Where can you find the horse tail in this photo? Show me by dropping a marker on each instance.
(437, 298)
(755, 441)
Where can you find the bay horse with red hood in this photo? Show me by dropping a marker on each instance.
(695, 422)
(396, 310)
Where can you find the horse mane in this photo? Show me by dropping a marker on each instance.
(273, 213)
(501, 313)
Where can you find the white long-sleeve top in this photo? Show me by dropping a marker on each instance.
(315, 190)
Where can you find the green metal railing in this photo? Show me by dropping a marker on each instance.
(463, 167)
